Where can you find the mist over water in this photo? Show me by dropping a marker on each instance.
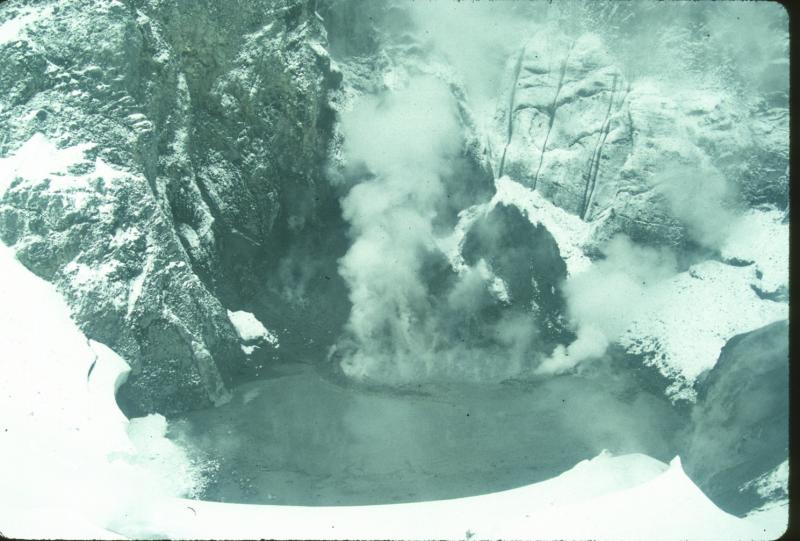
(299, 439)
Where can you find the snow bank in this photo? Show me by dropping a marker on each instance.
(771, 520)
(625, 497)
(71, 465)
(667, 506)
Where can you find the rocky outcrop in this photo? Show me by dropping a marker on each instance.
(206, 125)
(526, 260)
(616, 150)
(739, 430)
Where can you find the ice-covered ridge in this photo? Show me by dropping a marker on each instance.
(608, 497)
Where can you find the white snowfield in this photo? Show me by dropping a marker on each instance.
(625, 497)
(72, 466)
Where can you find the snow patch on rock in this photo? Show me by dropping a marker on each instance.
(773, 483)
(569, 231)
(14, 28)
(37, 159)
(251, 329)
(137, 283)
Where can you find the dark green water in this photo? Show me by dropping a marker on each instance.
(300, 439)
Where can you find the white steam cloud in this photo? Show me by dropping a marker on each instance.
(602, 299)
(476, 39)
(413, 317)
(701, 199)
(405, 139)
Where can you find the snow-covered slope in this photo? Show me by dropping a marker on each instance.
(71, 465)
(79, 222)
(625, 497)
(158, 110)
(693, 314)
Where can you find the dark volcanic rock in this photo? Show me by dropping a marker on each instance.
(527, 259)
(740, 422)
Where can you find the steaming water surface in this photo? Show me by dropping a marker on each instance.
(300, 439)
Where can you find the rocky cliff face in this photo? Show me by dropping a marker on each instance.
(206, 127)
(194, 161)
(613, 150)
